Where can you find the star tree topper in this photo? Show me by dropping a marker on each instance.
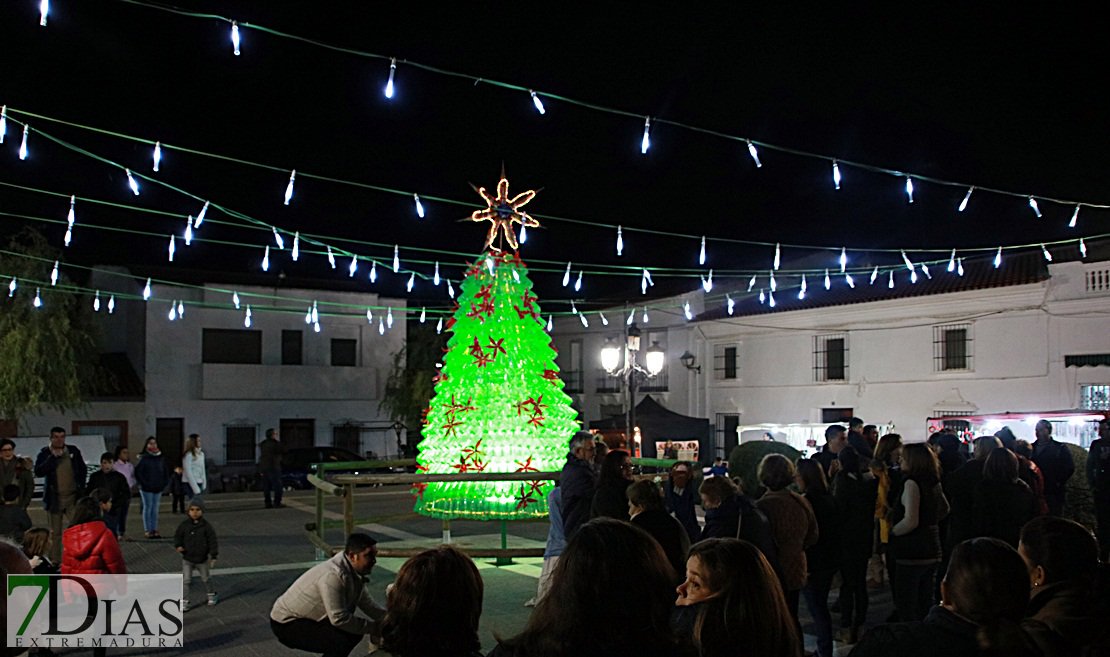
(502, 212)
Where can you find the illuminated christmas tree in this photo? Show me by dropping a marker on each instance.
(499, 404)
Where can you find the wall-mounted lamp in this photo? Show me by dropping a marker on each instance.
(689, 362)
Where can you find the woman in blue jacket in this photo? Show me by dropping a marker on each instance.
(152, 475)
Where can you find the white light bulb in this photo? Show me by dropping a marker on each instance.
(180, 309)
(566, 276)
(874, 275)
(643, 284)
(620, 241)
(578, 282)
(771, 281)
(925, 270)
(644, 316)
(754, 153)
(1047, 255)
(648, 274)
(389, 317)
(278, 239)
(730, 303)
(247, 318)
(157, 154)
(189, 231)
(3, 122)
(778, 257)
(537, 102)
(550, 325)
(909, 189)
(389, 82)
(849, 280)
(235, 37)
(707, 282)
(96, 302)
(308, 316)
(373, 271)
(645, 143)
(266, 259)
(771, 299)
(331, 258)
(369, 316)
(967, 197)
(172, 248)
(23, 144)
(906, 259)
(686, 311)
(396, 258)
(353, 267)
(381, 327)
(423, 315)
(146, 291)
(173, 312)
(439, 326)
(71, 218)
(913, 276)
(998, 258)
(315, 313)
(316, 327)
(54, 274)
(132, 183)
(523, 233)
(289, 187)
(111, 304)
(952, 261)
(1082, 248)
(631, 317)
(585, 322)
(573, 308)
(960, 266)
(604, 319)
(200, 216)
(802, 289)
(419, 205)
(1074, 217)
(412, 281)
(435, 277)
(751, 283)
(296, 245)
(890, 281)
(836, 174)
(843, 259)
(762, 296)
(235, 299)
(69, 236)
(1033, 205)
(828, 283)
(450, 289)
(701, 254)
(37, 303)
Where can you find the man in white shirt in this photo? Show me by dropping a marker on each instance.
(317, 613)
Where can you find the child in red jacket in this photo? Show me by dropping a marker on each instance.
(88, 546)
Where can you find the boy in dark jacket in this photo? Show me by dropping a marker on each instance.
(13, 517)
(116, 485)
(195, 539)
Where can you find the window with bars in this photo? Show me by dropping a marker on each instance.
(239, 443)
(727, 436)
(570, 365)
(1094, 397)
(726, 361)
(609, 383)
(348, 437)
(830, 357)
(952, 348)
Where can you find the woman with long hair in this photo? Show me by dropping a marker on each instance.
(886, 468)
(1002, 503)
(984, 595)
(194, 474)
(731, 603)
(915, 541)
(433, 607)
(36, 543)
(855, 494)
(610, 497)
(1070, 599)
(611, 573)
(645, 508)
(793, 525)
(153, 475)
(822, 558)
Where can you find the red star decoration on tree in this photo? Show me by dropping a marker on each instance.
(526, 466)
(551, 375)
(449, 428)
(496, 346)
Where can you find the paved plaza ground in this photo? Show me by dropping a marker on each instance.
(263, 550)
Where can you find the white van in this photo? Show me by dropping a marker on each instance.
(91, 446)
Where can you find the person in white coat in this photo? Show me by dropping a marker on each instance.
(193, 471)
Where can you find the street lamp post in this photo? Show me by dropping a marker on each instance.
(611, 361)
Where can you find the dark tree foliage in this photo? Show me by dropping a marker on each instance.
(408, 390)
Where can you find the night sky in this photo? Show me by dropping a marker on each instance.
(979, 96)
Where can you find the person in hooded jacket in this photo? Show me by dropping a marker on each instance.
(153, 475)
(88, 546)
(1002, 503)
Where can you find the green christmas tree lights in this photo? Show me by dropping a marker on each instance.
(499, 404)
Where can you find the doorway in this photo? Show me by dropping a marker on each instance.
(298, 433)
(170, 432)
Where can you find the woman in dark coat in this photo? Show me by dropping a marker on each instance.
(153, 476)
(984, 594)
(822, 558)
(610, 497)
(1002, 503)
(854, 493)
(915, 541)
(645, 506)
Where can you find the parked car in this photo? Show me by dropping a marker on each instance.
(297, 464)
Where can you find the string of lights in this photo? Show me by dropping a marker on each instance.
(538, 98)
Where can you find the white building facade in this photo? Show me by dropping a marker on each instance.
(208, 373)
(1041, 343)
